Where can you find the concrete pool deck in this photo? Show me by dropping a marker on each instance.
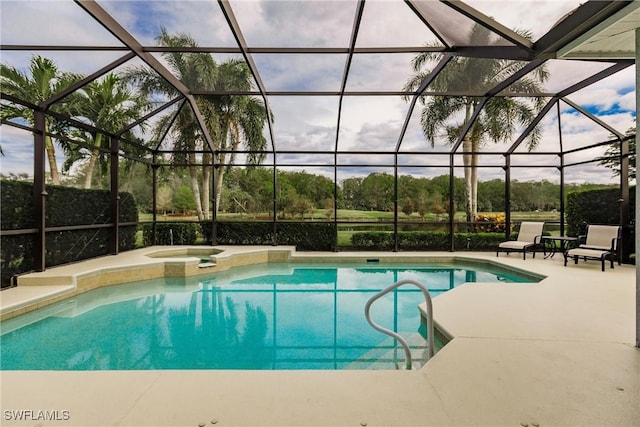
(559, 352)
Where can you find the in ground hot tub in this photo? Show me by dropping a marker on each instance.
(186, 261)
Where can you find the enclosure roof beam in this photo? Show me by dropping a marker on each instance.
(230, 49)
(595, 119)
(563, 93)
(522, 48)
(495, 52)
(529, 67)
(490, 24)
(73, 122)
(169, 125)
(227, 11)
(107, 68)
(345, 74)
(423, 86)
(413, 5)
(576, 23)
(367, 93)
(149, 115)
(114, 27)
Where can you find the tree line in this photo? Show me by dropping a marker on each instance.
(250, 191)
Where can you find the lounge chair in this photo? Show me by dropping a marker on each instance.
(602, 242)
(529, 238)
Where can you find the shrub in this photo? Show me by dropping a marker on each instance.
(491, 223)
(601, 206)
(17, 256)
(592, 207)
(378, 240)
(16, 209)
(239, 233)
(317, 236)
(65, 207)
(170, 233)
(425, 240)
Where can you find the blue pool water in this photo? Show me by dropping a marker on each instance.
(271, 316)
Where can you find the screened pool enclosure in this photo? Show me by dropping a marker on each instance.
(340, 89)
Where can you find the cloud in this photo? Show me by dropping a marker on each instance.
(320, 109)
(311, 122)
(379, 72)
(202, 20)
(391, 23)
(294, 23)
(17, 146)
(300, 72)
(50, 22)
(628, 102)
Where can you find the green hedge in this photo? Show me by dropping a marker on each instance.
(17, 256)
(17, 205)
(425, 241)
(316, 236)
(595, 207)
(240, 233)
(601, 207)
(65, 206)
(307, 236)
(16, 210)
(171, 233)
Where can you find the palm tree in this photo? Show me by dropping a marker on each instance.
(500, 116)
(241, 119)
(107, 104)
(192, 70)
(43, 81)
(230, 120)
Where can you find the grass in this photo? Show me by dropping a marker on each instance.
(356, 215)
(535, 216)
(344, 236)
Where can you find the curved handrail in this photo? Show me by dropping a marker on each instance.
(427, 299)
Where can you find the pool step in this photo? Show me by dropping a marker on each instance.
(393, 358)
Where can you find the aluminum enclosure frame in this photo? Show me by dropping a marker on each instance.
(566, 32)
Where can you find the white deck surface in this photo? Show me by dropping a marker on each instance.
(555, 353)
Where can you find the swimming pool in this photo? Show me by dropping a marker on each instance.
(268, 316)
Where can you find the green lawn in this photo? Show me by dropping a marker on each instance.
(355, 215)
(344, 236)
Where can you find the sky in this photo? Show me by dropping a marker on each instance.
(367, 124)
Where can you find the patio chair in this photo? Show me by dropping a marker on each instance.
(602, 242)
(529, 238)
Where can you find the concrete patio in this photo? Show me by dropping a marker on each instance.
(559, 352)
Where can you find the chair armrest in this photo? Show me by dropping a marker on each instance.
(615, 243)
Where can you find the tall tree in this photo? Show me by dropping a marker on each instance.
(499, 118)
(42, 82)
(108, 104)
(230, 120)
(611, 158)
(193, 70)
(241, 118)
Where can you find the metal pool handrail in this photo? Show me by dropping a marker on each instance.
(427, 299)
